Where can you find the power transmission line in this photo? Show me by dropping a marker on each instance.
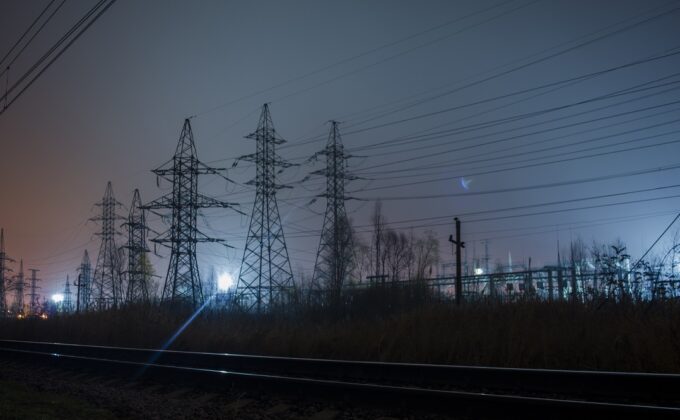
(100, 8)
(21, 38)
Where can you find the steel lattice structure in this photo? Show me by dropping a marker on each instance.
(265, 277)
(84, 285)
(34, 303)
(182, 283)
(107, 284)
(4, 270)
(335, 255)
(137, 272)
(18, 286)
(67, 303)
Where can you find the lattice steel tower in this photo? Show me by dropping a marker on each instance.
(18, 285)
(335, 256)
(182, 283)
(265, 277)
(34, 304)
(67, 304)
(84, 284)
(107, 286)
(4, 277)
(137, 272)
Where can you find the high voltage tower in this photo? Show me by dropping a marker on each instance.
(138, 264)
(334, 258)
(84, 284)
(107, 287)
(4, 270)
(18, 285)
(67, 303)
(34, 303)
(265, 277)
(183, 283)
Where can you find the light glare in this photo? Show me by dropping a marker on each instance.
(57, 298)
(224, 282)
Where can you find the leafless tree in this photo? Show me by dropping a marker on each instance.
(426, 255)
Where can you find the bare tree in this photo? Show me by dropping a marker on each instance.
(397, 249)
(378, 221)
(426, 255)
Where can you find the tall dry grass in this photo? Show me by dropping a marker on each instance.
(625, 336)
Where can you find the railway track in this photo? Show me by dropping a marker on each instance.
(442, 388)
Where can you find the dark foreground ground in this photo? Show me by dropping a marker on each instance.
(29, 392)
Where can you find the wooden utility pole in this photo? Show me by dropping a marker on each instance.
(459, 244)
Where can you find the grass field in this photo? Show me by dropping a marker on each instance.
(611, 336)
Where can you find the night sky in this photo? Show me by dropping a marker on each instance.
(439, 101)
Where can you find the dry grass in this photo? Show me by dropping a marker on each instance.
(611, 336)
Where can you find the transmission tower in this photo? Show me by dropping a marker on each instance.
(4, 271)
(107, 283)
(138, 271)
(18, 285)
(183, 283)
(67, 304)
(84, 284)
(334, 258)
(34, 304)
(265, 277)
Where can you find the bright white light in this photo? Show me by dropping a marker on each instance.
(57, 298)
(224, 282)
(479, 271)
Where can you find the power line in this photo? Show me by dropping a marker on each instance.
(533, 187)
(352, 58)
(99, 6)
(528, 115)
(540, 60)
(514, 168)
(21, 38)
(545, 149)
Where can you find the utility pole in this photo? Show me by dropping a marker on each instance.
(4, 279)
(183, 282)
(34, 303)
(459, 244)
(107, 285)
(265, 277)
(334, 257)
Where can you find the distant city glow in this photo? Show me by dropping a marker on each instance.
(57, 298)
(479, 271)
(225, 282)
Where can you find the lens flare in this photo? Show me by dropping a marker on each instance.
(225, 282)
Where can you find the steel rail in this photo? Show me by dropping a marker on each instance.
(438, 385)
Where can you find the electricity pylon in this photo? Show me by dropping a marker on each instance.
(138, 264)
(4, 271)
(84, 284)
(183, 283)
(335, 255)
(106, 290)
(18, 285)
(265, 277)
(67, 304)
(34, 304)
